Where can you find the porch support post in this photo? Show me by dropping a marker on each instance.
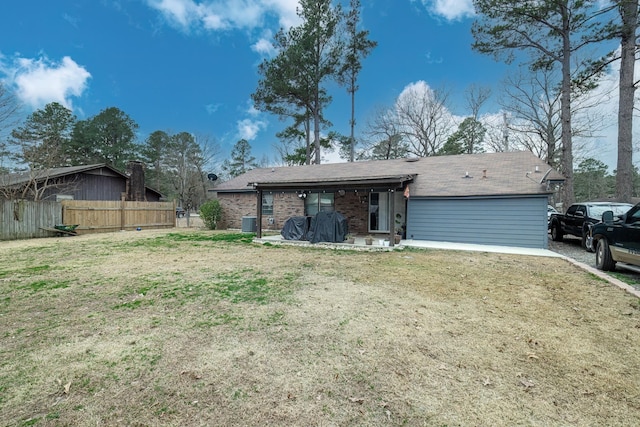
(259, 215)
(392, 217)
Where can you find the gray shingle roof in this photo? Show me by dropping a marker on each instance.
(21, 178)
(24, 177)
(508, 173)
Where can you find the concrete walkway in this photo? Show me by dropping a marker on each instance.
(480, 248)
(359, 243)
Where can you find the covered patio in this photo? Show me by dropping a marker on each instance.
(364, 186)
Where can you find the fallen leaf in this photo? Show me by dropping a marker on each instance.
(67, 386)
(486, 382)
(358, 400)
(532, 356)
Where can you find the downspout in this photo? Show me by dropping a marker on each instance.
(259, 216)
(392, 216)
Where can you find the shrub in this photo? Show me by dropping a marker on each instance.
(210, 212)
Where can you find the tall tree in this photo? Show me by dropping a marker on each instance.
(551, 31)
(466, 140)
(318, 45)
(285, 89)
(183, 174)
(108, 137)
(154, 152)
(628, 43)
(293, 83)
(241, 159)
(591, 180)
(42, 141)
(357, 48)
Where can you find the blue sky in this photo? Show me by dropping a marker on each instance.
(191, 65)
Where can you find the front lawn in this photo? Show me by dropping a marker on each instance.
(183, 328)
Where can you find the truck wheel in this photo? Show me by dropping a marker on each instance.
(556, 233)
(604, 261)
(587, 242)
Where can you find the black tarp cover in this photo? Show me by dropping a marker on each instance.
(328, 227)
(295, 228)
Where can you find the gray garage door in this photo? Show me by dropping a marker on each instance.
(520, 221)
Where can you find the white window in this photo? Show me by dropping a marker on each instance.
(317, 202)
(267, 204)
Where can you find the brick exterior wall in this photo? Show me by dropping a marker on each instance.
(354, 206)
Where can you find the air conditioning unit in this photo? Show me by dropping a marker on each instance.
(249, 224)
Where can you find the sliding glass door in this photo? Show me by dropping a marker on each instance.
(379, 212)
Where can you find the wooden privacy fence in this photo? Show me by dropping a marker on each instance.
(25, 219)
(94, 216)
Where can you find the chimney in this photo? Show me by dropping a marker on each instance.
(135, 183)
(484, 174)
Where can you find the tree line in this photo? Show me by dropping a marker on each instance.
(547, 102)
(52, 137)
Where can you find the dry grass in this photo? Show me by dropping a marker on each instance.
(200, 328)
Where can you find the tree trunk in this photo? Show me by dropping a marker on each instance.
(624, 175)
(307, 131)
(352, 140)
(316, 128)
(568, 196)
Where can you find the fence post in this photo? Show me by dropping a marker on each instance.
(123, 198)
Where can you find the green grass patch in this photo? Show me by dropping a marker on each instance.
(628, 278)
(46, 285)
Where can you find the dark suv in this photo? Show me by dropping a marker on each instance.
(617, 240)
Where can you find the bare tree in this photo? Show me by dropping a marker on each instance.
(552, 32)
(424, 119)
(497, 137)
(207, 160)
(35, 184)
(533, 100)
(476, 97)
(384, 136)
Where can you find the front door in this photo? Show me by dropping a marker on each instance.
(379, 212)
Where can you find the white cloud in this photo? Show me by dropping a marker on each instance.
(41, 81)
(264, 47)
(216, 15)
(451, 10)
(248, 129)
(180, 12)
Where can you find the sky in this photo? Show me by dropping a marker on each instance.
(191, 65)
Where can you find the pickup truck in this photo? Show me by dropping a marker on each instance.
(617, 240)
(580, 216)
